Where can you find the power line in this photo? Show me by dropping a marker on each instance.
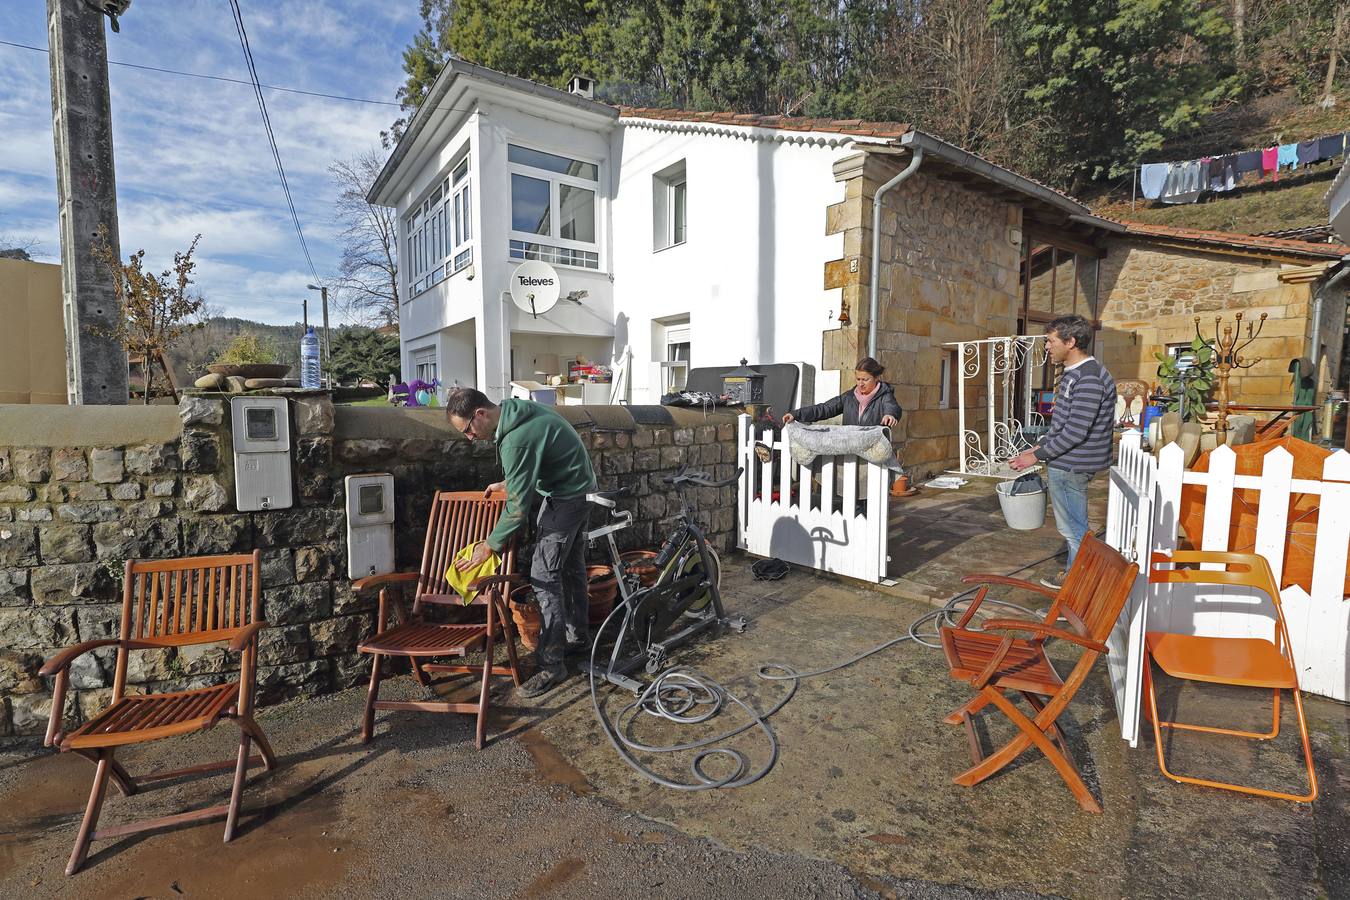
(270, 87)
(271, 136)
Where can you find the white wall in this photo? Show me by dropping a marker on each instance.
(750, 274)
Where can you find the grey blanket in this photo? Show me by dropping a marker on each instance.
(870, 442)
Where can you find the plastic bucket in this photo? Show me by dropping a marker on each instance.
(1023, 512)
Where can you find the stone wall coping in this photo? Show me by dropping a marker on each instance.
(364, 422)
(31, 425)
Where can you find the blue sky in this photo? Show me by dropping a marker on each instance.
(191, 154)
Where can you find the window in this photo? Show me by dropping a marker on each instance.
(424, 364)
(553, 198)
(947, 386)
(438, 231)
(674, 354)
(669, 205)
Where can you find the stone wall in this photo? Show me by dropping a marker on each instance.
(83, 489)
(1152, 294)
(948, 272)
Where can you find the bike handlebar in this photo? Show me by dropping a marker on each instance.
(699, 479)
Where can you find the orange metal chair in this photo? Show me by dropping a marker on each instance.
(1245, 662)
(1090, 601)
(169, 603)
(458, 519)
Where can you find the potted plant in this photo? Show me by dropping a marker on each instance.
(249, 356)
(1188, 384)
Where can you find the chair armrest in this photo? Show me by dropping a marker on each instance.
(68, 655)
(1010, 582)
(1043, 630)
(248, 633)
(487, 581)
(374, 581)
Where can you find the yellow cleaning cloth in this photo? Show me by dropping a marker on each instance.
(460, 581)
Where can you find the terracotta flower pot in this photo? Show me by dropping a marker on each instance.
(601, 589)
(642, 560)
(525, 616)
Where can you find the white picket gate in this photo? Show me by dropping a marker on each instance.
(1129, 529)
(1319, 620)
(838, 532)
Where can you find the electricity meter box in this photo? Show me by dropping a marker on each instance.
(370, 524)
(262, 453)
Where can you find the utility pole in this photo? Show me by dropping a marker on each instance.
(96, 362)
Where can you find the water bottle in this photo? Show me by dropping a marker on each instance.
(309, 359)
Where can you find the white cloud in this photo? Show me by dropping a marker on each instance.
(191, 154)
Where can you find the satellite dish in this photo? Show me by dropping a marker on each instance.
(534, 287)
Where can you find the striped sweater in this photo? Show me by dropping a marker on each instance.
(1079, 439)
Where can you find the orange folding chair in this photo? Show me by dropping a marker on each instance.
(1245, 662)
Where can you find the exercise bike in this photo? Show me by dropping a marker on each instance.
(684, 601)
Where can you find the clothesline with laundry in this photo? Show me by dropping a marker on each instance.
(1184, 182)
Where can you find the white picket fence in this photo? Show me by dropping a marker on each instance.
(1319, 620)
(798, 522)
(1133, 487)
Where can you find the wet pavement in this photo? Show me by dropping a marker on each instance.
(860, 802)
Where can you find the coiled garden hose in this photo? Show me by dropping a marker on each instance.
(685, 696)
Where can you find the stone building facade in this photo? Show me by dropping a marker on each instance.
(1152, 291)
(83, 489)
(949, 272)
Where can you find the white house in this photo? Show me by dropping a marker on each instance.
(692, 242)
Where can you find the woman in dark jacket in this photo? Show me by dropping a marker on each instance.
(871, 402)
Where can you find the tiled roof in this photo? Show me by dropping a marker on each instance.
(854, 127)
(1256, 242)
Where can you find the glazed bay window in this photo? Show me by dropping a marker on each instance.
(438, 232)
(553, 208)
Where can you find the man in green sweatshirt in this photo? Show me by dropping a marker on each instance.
(542, 456)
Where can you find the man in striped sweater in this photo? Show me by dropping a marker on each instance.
(1078, 444)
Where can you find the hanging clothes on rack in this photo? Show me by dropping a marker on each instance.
(1247, 161)
(1307, 152)
(1331, 147)
(1183, 183)
(1288, 155)
(1152, 177)
(1270, 162)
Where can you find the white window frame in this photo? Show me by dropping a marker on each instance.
(553, 248)
(675, 334)
(425, 357)
(666, 184)
(436, 246)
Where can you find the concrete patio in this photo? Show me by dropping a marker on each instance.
(860, 802)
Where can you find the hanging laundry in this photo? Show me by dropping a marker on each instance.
(1331, 147)
(1152, 177)
(1183, 183)
(1288, 155)
(1270, 162)
(1307, 152)
(1248, 161)
(1205, 163)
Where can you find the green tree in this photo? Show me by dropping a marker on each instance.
(363, 354)
(1113, 79)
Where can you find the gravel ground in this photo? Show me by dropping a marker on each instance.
(417, 813)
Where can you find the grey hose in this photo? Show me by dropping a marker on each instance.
(683, 695)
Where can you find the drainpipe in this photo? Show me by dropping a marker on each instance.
(1317, 312)
(909, 170)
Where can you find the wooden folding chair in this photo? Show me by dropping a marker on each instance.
(457, 520)
(1245, 662)
(169, 603)
(1094, 592)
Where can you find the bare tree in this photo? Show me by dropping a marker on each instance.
(20, 246)
(367, 282)
(157, 310)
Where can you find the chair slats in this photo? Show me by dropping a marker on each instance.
(178, 599)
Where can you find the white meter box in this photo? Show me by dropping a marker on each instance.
(370, 524)
(262, 453)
